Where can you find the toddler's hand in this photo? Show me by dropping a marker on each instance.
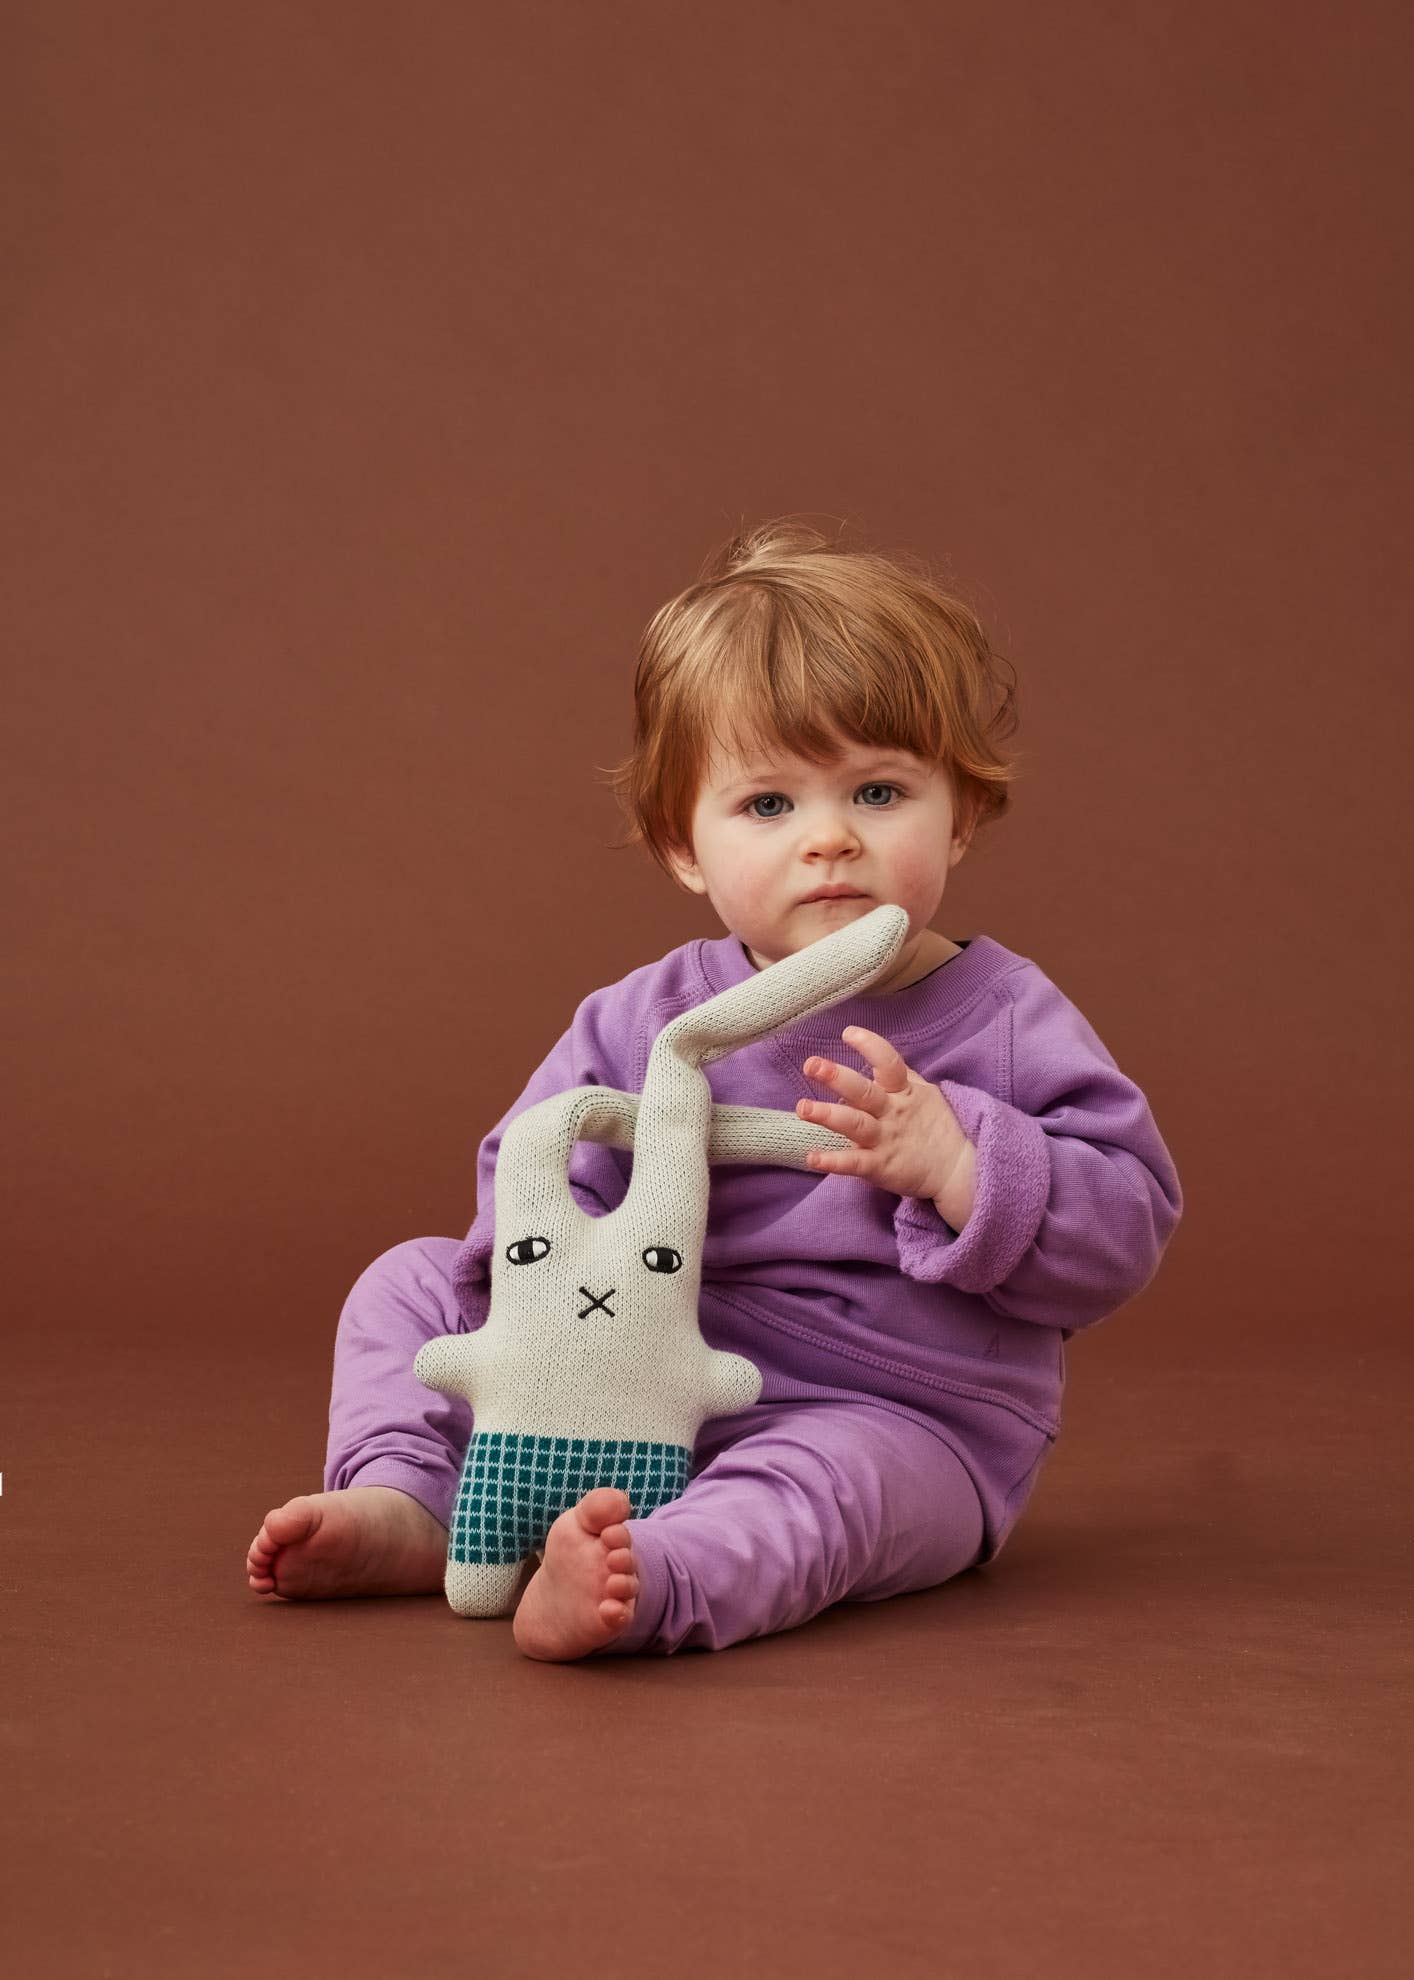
(906, 1137)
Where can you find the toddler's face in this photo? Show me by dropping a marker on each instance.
(767, 832)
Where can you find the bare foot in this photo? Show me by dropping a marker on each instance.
(366, 1540)
(582, 1595)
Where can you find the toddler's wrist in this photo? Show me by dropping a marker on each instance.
(956, 1200)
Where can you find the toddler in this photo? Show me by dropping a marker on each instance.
(818, 731)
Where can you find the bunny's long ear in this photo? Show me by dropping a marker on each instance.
(674, 1130)
(670, 1152)
(734, 1134)
(823, 973)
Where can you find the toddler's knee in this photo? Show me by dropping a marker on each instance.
(418, 1270)
(399, 1301)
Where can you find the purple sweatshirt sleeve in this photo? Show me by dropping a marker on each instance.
(1076, 1194)
(598, 1175)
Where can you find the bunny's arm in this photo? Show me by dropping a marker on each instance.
(450, 1363)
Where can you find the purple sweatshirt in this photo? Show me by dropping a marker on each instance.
(836, 1288)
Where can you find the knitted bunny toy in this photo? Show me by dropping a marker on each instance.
(590, 1368)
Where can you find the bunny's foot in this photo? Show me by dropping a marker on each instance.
(582, 1595)
(365, 1540)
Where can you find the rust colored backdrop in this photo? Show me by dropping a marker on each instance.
(373, 373)
(375, 377)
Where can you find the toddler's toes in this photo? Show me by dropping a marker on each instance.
(264, 1547)
(283, 1526)
(603, 1508)
(290, 1523)
(621, 1582)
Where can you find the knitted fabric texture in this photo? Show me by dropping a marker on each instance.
(513, 1487)
(592, 1333)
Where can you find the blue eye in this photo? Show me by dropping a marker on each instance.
(762, 796)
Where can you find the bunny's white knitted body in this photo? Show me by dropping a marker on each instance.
(590, 1368)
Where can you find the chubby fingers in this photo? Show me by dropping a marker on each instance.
(890, 1071)
(850, 1085)
(890, 1068)
(868, 1098)
(861, 1128)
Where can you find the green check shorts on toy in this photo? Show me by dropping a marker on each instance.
(513, 1487)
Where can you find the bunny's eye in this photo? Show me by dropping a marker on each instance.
(525, 1251)
(662, 1258)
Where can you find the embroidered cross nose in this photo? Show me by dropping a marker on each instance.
(594, 1301)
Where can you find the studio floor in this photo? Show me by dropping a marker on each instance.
(1166, 1732)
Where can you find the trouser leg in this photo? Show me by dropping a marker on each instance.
(386, 1427)
(798, 1505)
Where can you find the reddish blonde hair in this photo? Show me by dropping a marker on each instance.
(787, 640)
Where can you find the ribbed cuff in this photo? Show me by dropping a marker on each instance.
(1013, 1183)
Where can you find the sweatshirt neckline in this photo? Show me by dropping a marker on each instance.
(919, 1008)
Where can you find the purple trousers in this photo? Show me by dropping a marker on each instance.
(790, 1506)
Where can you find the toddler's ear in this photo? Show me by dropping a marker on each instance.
(685, 870)
(963, 827)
